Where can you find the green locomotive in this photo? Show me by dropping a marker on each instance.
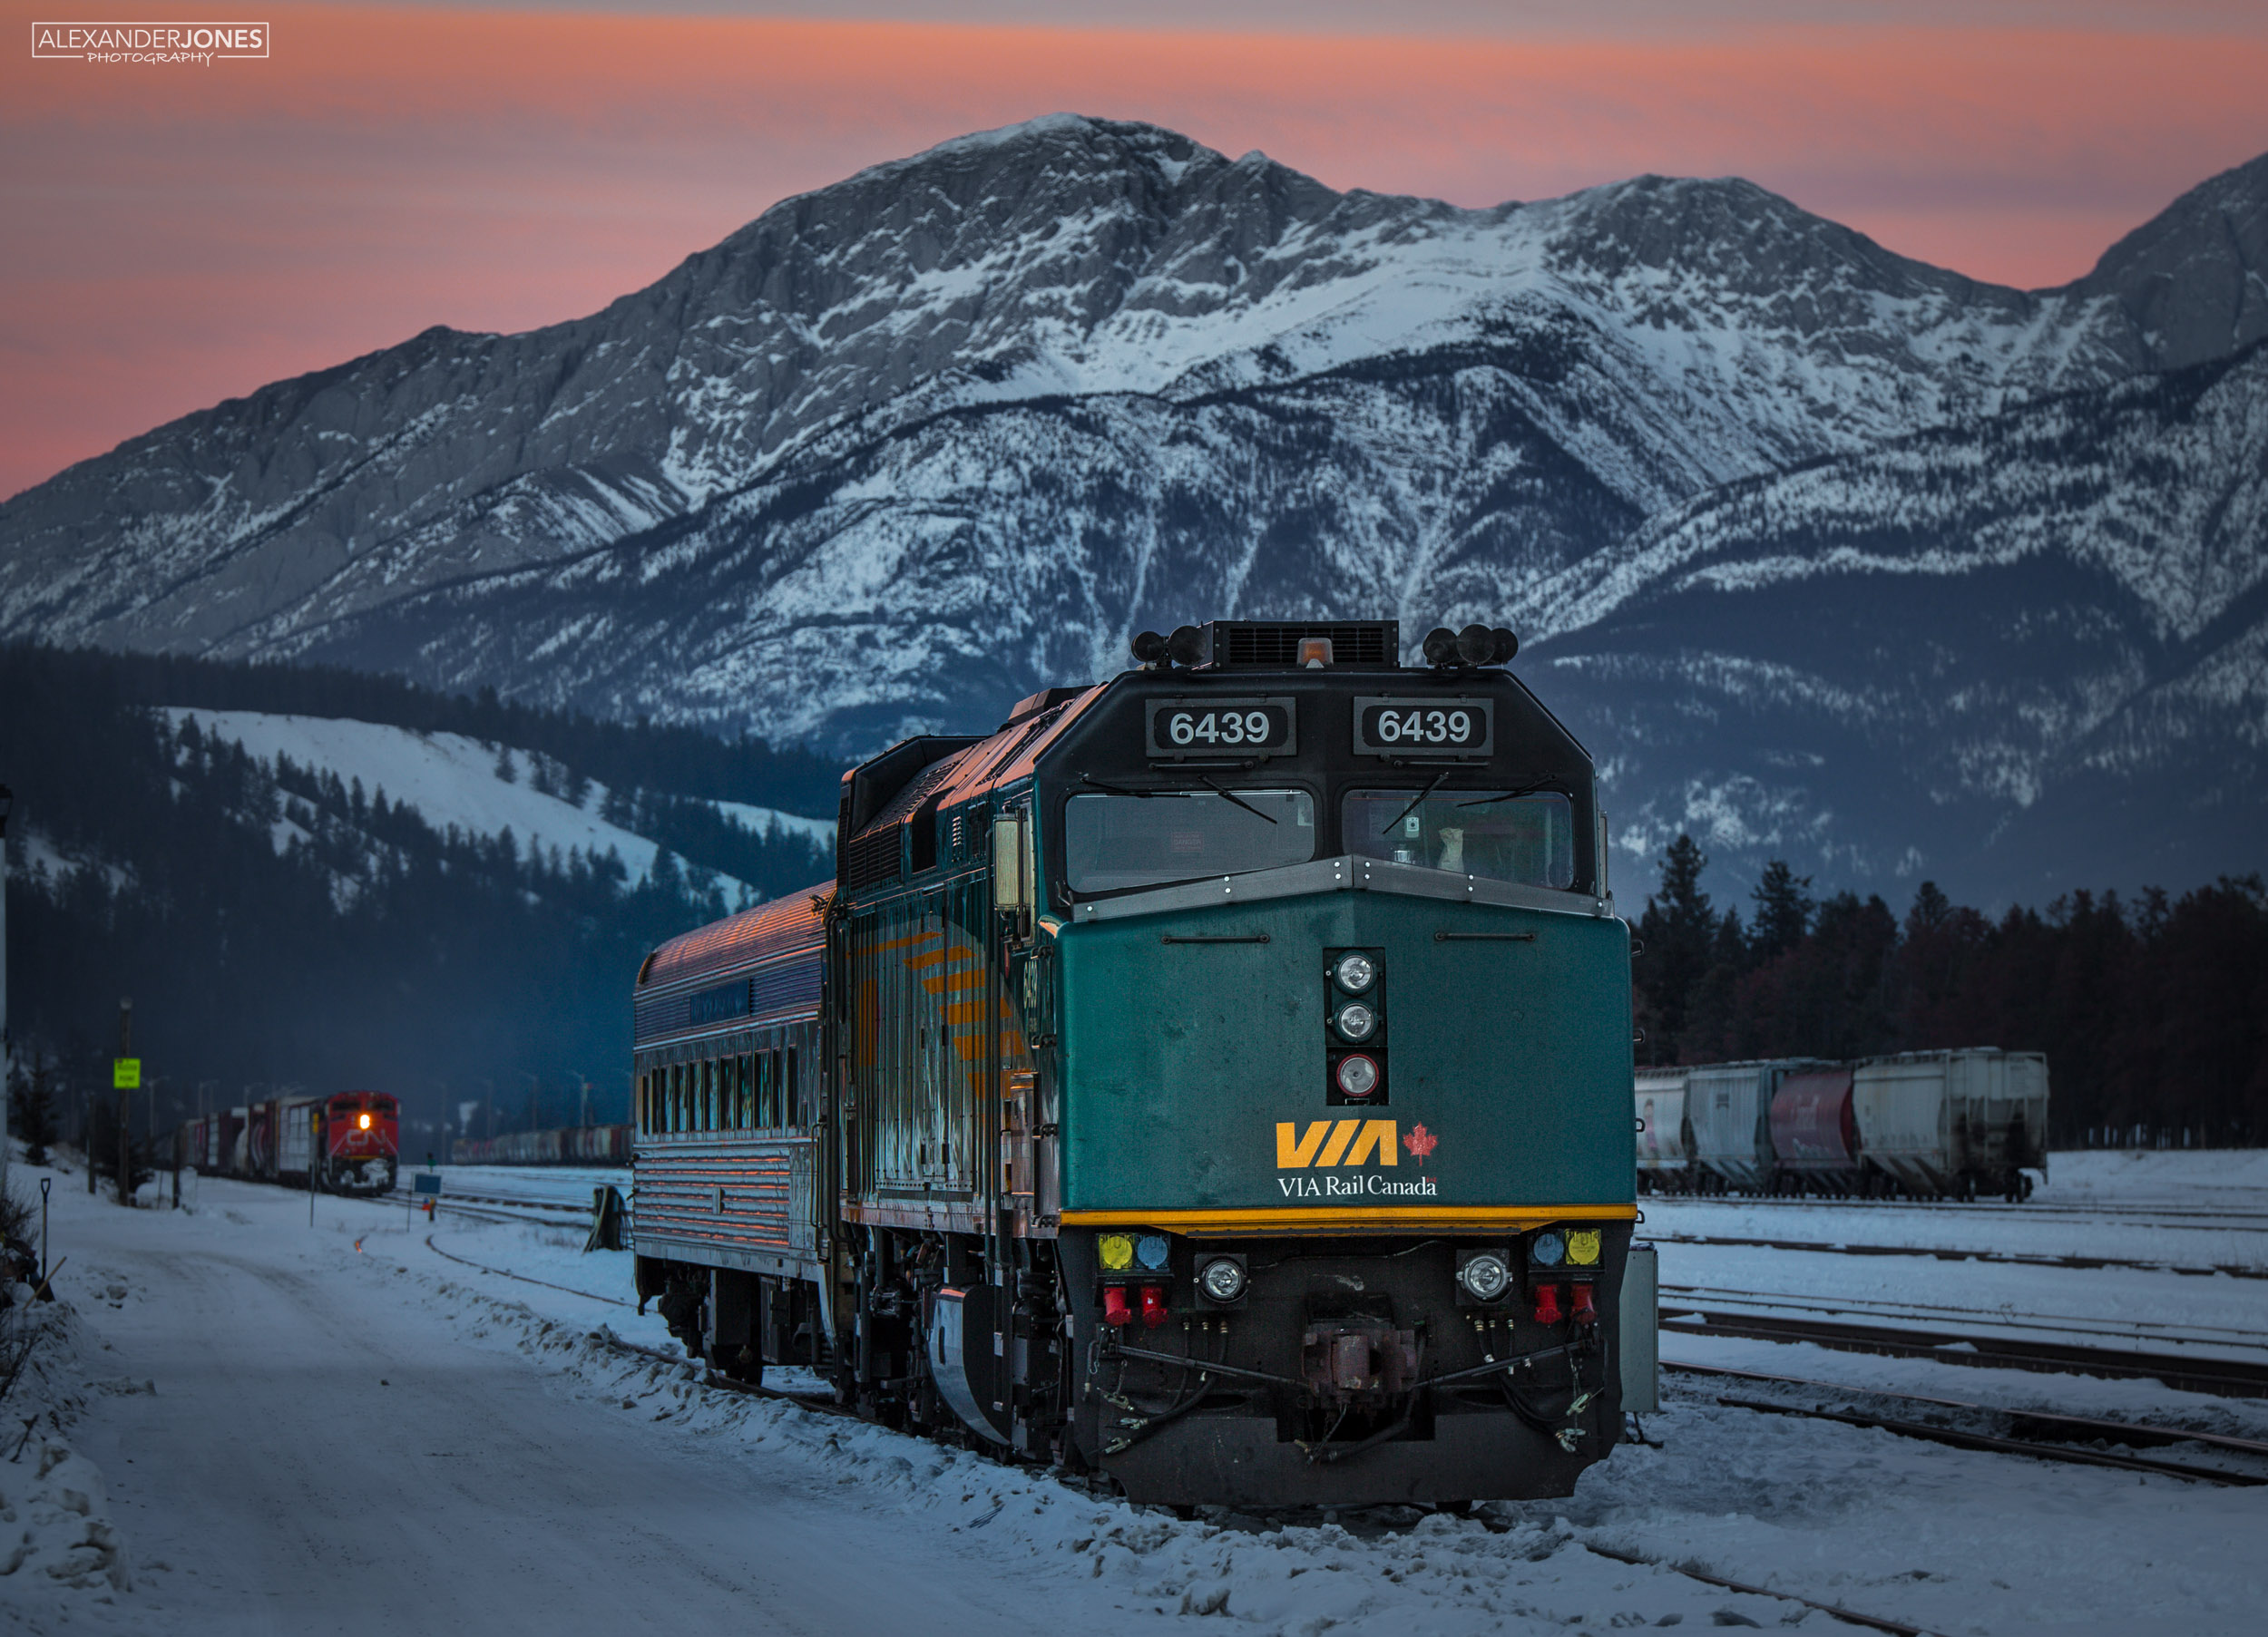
(1217, 1077)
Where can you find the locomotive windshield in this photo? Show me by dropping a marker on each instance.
(1499, 834)
(1114, 842)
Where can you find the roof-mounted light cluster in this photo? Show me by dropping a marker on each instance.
(1475, 645)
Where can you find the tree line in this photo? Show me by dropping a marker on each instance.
(685, 760)
(2153, 1010)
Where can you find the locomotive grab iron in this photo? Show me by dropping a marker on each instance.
(1217, 1077)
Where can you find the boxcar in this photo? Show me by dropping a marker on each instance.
(1214, 1078)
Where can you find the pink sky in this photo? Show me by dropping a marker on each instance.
(175, 235)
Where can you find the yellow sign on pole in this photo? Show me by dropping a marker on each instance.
(125, 1074)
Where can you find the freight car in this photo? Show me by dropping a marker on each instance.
(1664, 1135)
(1937, 1124)
(350, 1139)
(1211, 1078)
(565, 1145)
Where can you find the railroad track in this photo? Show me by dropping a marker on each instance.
(2223, 1378)
(2040, 1433)
(2241, 1220)
(1952, 1253)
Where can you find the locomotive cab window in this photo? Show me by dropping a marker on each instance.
(1497, 835)
(1113, 843)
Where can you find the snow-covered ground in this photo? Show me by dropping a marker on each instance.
(348, 1432)
(452, 780)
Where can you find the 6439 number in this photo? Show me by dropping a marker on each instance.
(1181, 728)
(1424, 727)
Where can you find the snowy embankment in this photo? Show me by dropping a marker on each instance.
(59, 1547)
(534, 1476)
(452, 780)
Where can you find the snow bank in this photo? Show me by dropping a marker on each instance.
(59, 1550)
(2209, 1179)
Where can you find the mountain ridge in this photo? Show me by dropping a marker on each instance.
(910, 445)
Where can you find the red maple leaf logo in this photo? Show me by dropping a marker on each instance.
(1421, 1141)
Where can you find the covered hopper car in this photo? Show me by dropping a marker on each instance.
(1211, 1079)
(1933, 1124)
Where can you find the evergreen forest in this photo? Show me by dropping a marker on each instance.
(372, 949)
(2153, 1011)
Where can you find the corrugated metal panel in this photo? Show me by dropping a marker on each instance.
(927, 1027)
(789, 924)
(727, 1195)
(786, 988)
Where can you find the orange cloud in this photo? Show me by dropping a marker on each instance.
(179, 233)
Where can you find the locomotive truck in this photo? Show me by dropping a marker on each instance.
(1216, 1078)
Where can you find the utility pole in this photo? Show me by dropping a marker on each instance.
(120, 1079)
(8, 1049)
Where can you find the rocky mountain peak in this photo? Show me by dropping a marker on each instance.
(2193, 278)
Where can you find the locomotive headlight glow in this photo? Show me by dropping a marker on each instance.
(1357, 1076)
(1117, 1250)
(1356, 1021)
(1582, 1248)
(1485, 1276)
(1151, 1250)
(1354, 973)
(1547, 1250)
(1222, 1279)
(365, 1122)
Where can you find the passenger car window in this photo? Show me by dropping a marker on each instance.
(1113, 843)
(1497, 834)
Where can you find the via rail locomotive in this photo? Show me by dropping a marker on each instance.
(351, 1139)
(1216, 1078)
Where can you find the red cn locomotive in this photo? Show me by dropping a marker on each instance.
(351, 1140)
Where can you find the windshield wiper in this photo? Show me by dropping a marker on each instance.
(1509, 795)
(1121, 790)
(1230, 795)
(1417, 801)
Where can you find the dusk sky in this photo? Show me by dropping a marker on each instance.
(180, 234)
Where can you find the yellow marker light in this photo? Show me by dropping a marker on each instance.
(1117, 1251)
(365, 1122)
(1582, 1247)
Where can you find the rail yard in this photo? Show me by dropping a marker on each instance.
(1788, 1478)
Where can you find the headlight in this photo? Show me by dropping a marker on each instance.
(1547, 1250)
(1222, 1279)
(1484, 1276)
(1357, 1076)
(1582, 1247)
(1151, 1250)
(1117, 1251)
(1356, 1021)
(1354, 973)
(365, 1122)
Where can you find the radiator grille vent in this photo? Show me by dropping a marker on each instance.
(1276, 642)
(873, 857)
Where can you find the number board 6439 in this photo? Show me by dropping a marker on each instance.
(1223, 729)
(1425, 727)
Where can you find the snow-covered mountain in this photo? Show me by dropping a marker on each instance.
(906, 447)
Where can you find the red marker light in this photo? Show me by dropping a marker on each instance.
(1153, 1305)
(1114, 1308)
(1547, 1304)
